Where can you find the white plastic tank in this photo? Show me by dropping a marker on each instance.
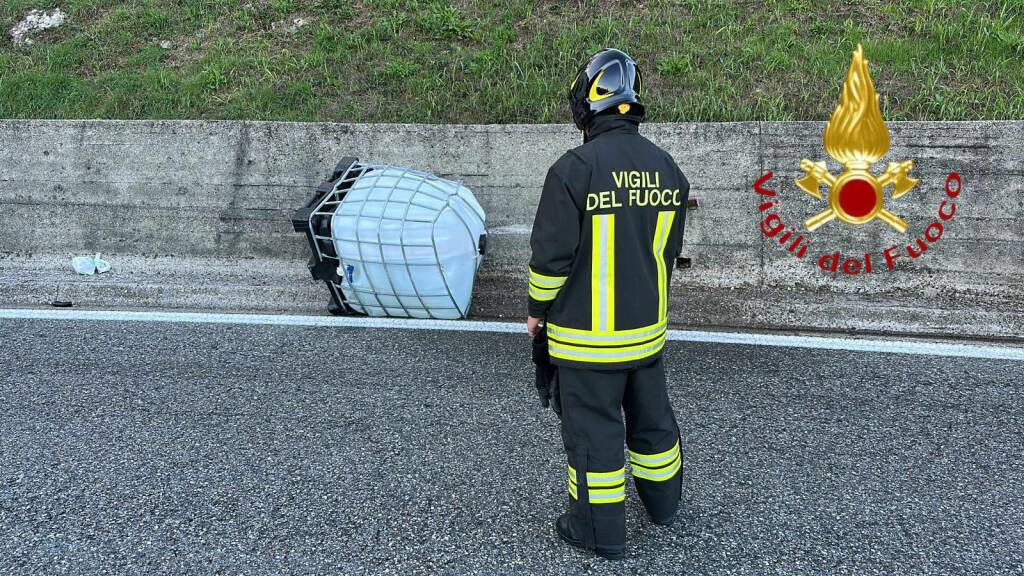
(409, 243)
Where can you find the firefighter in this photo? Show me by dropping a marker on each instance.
(607, 231)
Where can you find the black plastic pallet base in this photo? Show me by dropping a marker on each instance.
(303, 221)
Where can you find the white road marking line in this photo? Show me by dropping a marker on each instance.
(830, 343)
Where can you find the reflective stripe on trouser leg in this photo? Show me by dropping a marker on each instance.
(658, 481)
(572, 483)
(602, 487)
(657, 467)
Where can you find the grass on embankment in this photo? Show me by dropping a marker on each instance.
(506, 61)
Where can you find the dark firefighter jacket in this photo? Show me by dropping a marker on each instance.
(608, 228)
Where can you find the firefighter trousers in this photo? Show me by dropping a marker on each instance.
(593, 403)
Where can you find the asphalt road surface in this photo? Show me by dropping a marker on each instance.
(138, 448)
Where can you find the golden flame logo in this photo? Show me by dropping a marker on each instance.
(856, 137)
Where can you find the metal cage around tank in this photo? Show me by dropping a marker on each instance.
(372, 220)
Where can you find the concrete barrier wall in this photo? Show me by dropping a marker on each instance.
(194, 214)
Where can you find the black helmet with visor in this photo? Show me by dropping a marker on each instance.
(609, 78)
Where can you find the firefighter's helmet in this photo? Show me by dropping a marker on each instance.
(609, 78)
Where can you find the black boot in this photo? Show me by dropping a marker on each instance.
(565, 531)
(667, 521)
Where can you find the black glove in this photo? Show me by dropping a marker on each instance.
(547, 373)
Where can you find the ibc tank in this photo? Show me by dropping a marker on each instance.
(405, 243)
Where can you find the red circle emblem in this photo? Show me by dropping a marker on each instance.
(857, 198)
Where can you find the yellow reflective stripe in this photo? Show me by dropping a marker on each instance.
(602, 487)
(607, 332)
(572, 482)
(658, 474)
(616, 338)
(605, 355)
(609, 311)
(598, 479)
(675, 457)
(654, 459)
(607, 496)
(543, 281)
(595, 271)
(545, 288)
(602, 272)
(656, 467)
(605, 475)
(543, 294)
(661, 233)
(656, 470)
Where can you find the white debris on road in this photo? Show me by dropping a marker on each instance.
(36, 21)
(89, 265)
